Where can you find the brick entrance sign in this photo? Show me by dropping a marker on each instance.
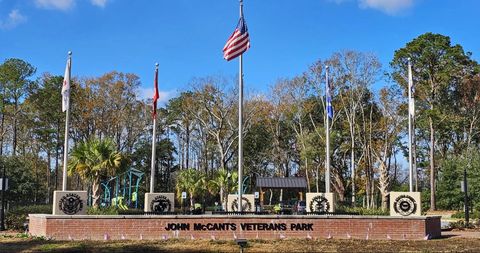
(137, 227)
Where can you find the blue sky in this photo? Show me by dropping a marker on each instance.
(186, 37)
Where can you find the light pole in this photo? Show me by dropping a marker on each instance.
(227, 190)
(467, 215)
(2, 210)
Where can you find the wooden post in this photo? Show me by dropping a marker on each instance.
(261, 196)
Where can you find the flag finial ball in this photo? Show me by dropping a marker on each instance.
(69, 52)
(326, 66)
(156, 64)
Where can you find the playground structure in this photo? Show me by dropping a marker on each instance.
(117, 191)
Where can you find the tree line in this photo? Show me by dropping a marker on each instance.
(284, 128)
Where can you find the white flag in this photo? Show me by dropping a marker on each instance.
(66, 87)
(411, 92)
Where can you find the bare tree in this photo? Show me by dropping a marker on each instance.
(353, 73)
(216, 113)
(387, 130)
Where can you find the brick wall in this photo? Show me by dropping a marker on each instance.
(154, 227)
(38, 225)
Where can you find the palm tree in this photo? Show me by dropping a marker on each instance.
(223, 182)
(96, 159)
(192, 181)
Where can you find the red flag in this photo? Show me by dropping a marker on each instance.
(155, 93)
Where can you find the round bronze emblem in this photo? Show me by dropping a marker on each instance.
(70, 204)
(405, 205)
(160, 204)
(246, 205)
(319, 204)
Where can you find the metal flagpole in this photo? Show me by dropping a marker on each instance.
(414, 147)
(65, 145)
(327, 156)
(240, 124)
(3, 196)
(152, 168)
(410, 116)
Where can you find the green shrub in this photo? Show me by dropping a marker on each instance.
(449, 195)
(461, 215)
(211, 208)
(110, 210)
(17, 216)
(460, 225)
(425, 195)
(362, 210)
(131, 212)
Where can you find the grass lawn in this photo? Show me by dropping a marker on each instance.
(20, 243)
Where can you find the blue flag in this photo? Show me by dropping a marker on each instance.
(329, 102)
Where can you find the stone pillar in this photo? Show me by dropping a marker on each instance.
(405, 204)
(159, 202)
(248, 203)
(69, 202)
(320, 202)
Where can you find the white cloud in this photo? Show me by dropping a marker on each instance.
(147, 93)
(14, 18)
(338, 1)
(63, 5)
(99, 3)
(388, 6)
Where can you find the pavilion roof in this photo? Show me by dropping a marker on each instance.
(281, 182)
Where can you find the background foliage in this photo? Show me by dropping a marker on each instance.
(284, 128)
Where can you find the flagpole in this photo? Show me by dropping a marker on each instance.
(414, 147)
(327, 156)
(65, 145)
(152, 168)
(240, 124)
(410, 115)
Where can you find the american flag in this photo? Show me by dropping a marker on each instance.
(155, 93)
(238, 42)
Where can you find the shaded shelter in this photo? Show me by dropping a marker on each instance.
(293, 183)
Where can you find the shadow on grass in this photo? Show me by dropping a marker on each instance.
(64, 246)
(19, 245)
(447, 236)
(446, 243)
(41, 245)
